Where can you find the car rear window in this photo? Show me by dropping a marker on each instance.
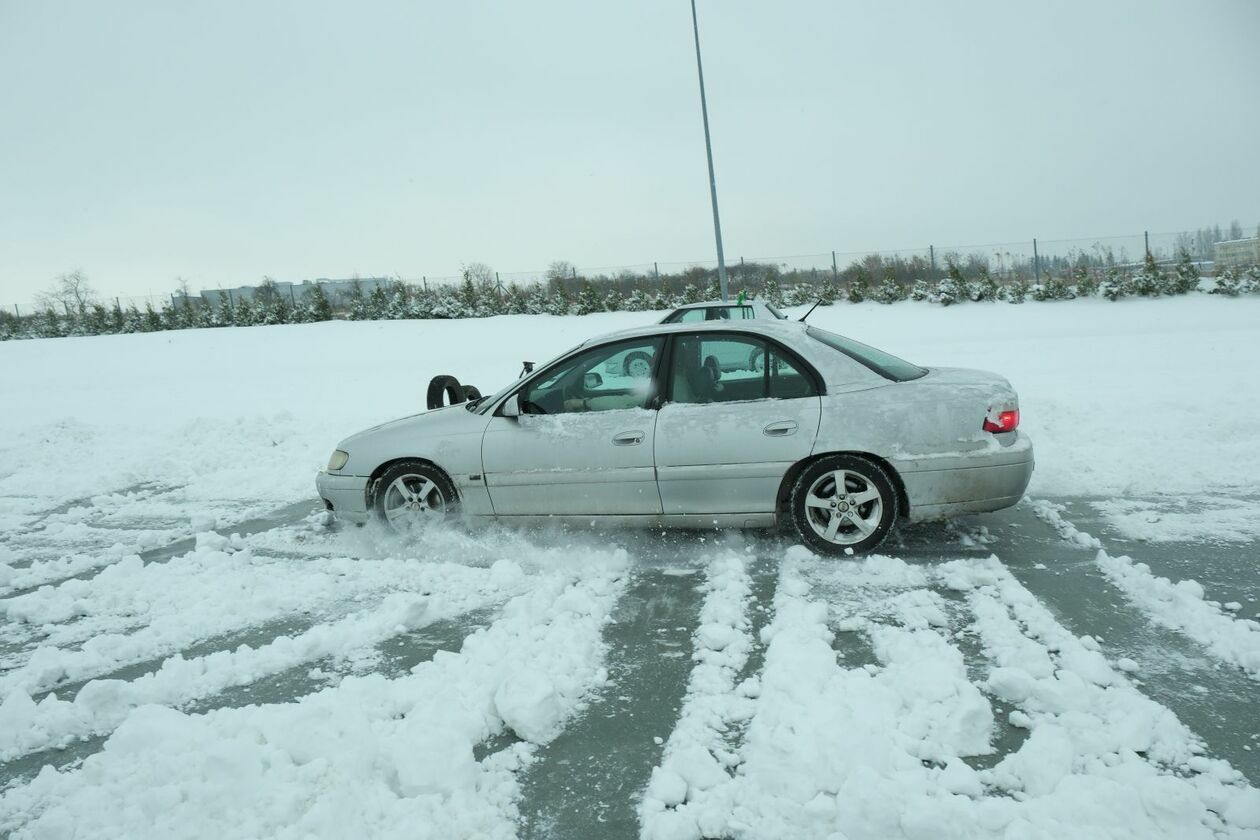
(885, 364)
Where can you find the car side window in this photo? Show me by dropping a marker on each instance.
(730, 313)
(686, 316)
(614, 376)
(710, 368)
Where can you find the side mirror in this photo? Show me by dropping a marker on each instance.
(512, 408)
(592, 381)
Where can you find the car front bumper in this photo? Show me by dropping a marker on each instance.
(977, 482)
(344, 495)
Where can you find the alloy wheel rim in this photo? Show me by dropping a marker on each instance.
(844, 507)
(411, 498)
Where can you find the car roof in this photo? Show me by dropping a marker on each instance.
(707, 303)
(783, 330)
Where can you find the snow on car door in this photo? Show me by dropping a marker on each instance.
(728, 431)
(583, 442)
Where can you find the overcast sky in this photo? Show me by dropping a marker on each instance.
(224, 141)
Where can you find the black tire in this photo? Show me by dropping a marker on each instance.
(413, 473)
(444, 386)
(635, 357)
(472, 392)
(862, 476)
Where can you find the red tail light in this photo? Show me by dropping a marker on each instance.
(1003, 421)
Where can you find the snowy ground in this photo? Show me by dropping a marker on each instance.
(187, 650)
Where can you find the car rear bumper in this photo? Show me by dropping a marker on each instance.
(344, 495)
(979, 482)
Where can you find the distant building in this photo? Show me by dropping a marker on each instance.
(337, 291)
(1236, 253)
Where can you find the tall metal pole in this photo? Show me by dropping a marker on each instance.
(708, 150)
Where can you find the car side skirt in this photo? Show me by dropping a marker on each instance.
(699, 522)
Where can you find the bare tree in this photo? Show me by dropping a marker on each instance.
(560, 271)
(481, 274)
(71, 293)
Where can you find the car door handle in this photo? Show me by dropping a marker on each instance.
(628, 438)
(780, 429)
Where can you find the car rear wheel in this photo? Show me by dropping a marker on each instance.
(843, 504)
(412, 493)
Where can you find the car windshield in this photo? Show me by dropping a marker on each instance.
(885, 364)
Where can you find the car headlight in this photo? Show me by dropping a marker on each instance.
(338, 460)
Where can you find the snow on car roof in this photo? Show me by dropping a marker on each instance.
(704, 303)
(784, 330)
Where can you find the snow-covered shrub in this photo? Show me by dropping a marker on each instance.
(889, 291)
(1185, 277)
(1253, 280)
(985, 287)
(1115, 285)
(1228, 283)
(1016, 291)
(1055, 288)
(1149, 282)
(920, 290)
(638, 301)
(859, 286)
(771, 293)
(1084, 282)
(952, 288)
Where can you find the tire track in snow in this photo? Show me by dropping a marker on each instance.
(399, 655)
(881, 749)
(1098, 746)
(211, 592)
(584, 783)
(698, 756)
(103, 704)
(371, 756)
(87, 566)
(1179, 606)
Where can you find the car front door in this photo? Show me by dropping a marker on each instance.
(583, 441)
(728, 430)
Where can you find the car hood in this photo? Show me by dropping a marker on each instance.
(428, 434)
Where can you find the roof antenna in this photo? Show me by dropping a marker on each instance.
(811, 310)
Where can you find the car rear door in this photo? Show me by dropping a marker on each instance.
(725, 437)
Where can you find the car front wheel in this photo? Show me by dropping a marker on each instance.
(843, 504)
(411, 493)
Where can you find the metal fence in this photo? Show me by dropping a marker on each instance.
(1031, 258)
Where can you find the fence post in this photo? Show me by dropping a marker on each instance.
(1036, 262)
(425, 280)
(1146, 239)
(932, 258)
(17, 311)
(835, 272)
(656, 272)
(231, 302)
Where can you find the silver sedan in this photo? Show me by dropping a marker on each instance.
(823, 436)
